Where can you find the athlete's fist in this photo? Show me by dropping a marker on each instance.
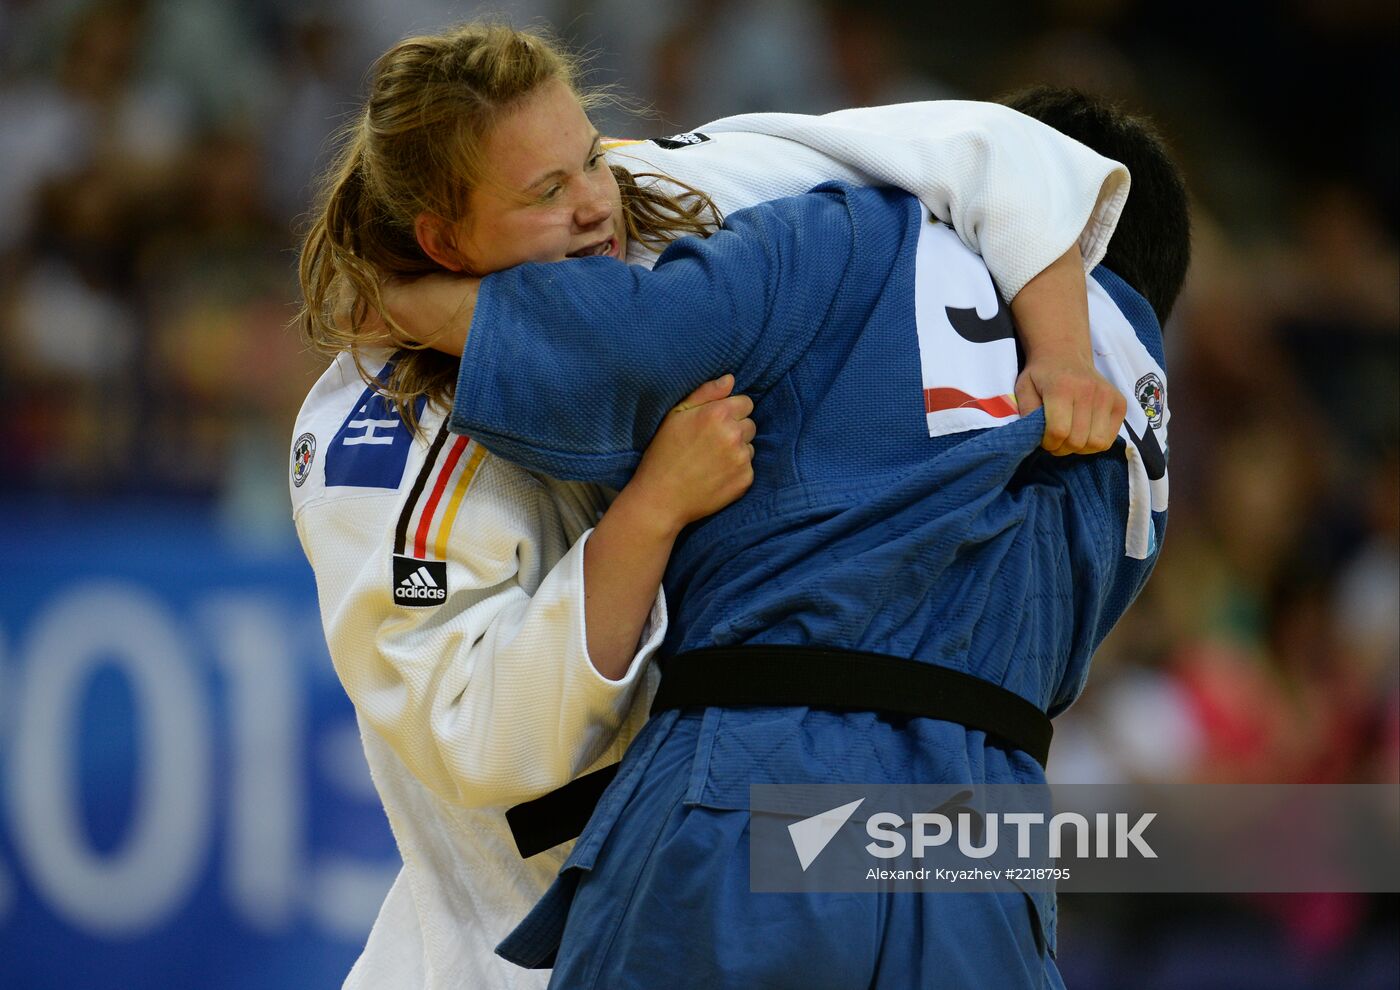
(1083, 411)
(701, 458)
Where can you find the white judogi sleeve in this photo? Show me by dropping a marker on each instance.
(1017, 191)
(453, 603)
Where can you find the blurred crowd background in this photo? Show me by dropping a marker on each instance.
(156, 157)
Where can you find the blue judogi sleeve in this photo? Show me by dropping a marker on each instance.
(570, 367)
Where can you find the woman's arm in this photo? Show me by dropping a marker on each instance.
(519, 674)
(570, 367)
(1016, 191)
(699, 462)
(489, 696)
(1083, 411)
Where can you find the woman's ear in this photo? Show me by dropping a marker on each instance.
(436, 238)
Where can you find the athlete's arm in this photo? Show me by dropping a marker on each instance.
(495, 661)
(570, 367)
(482, 681)
(1083, 411)
(1016, 191)
(698, 462)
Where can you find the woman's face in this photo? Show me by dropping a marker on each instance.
(548, 193)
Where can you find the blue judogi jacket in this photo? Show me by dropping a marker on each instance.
(975, 551)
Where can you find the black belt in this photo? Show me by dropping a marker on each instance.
(848, 680)
(798, 676)
(559, 815)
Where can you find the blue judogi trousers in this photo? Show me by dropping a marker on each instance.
(675, 912)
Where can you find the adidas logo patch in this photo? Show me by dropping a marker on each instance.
(419, 583)
(676, 141)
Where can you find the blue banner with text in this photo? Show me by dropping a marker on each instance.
(183, 797)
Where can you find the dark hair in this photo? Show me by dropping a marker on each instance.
(1151, 248)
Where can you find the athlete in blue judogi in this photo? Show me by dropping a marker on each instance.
(966, 550)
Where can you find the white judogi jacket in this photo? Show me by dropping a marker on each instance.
(451, 582)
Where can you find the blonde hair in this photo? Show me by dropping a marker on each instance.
(416, 148)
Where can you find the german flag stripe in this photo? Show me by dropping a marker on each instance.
(612, 144)
(419, 483)
(940, 399)
(425, 521)
(449, 515)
